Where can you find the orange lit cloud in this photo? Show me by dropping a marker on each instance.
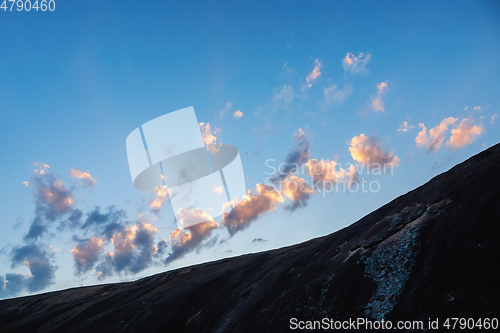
(41, 168)
(183, 242)
(160, 194)
(314, 75)
(85, 177)
(297, 190)
(464, 134)
(209, 136)
(251, 206)
(85, 254)
(377, 102)
(405, 127)
(238, 114)
(434, 139)
(368, 150)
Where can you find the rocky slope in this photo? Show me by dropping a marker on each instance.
(431, 253)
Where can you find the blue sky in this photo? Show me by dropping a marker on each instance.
(75, 82)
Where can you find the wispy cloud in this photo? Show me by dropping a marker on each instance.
(334, 95)
(356, 64)
(297, 156)
(226, 108)
(315, 73)
(377, 102)
(493, 117)
(283, 96)
(405, 127)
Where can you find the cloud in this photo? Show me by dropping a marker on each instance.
(284, 96)
(85, 177)
(477, 108)
(251, 207)
(226, 108)
(493, 117)
(52, 200)
(186, 241)
(218, 189)
(209, 136)
(434, 139)
(238, 114)
(259, 240)
(377, 103)
(287, 71)
(355, 64)
(297, 156)
(464, 134)
(325, 171)
(368, 150)
(315, 73)
(104, 221)
(86, 254)
(133, 250)
(333, 95)
(41, 270)
(297, 190)
(405, 127)
(160, 194)
(41, 168)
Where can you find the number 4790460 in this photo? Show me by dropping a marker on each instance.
(28, 5)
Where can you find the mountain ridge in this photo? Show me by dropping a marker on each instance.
(426, 254)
